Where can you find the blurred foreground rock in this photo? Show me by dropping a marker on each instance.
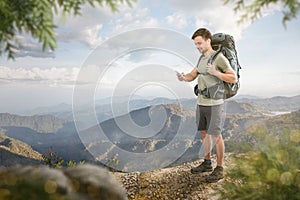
(84, 182)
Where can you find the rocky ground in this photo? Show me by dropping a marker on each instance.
(90, 182)
(170, 183)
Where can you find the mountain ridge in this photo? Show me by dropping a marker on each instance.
(40, 123)
(64, 110)
(66, 141)
(276, 103)
(16, 152)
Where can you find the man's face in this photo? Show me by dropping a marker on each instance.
(201, 44)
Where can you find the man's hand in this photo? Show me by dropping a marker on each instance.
(211, 69)
(228, 76)
(189, 76)
(181, 76)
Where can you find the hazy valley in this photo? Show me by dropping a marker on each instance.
(25, 138)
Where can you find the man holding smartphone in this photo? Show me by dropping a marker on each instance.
(210, 114)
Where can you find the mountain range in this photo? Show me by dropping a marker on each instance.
(275, 104)
(25, 138)
(43, 132)
(103, 107)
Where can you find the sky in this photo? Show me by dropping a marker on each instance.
(137, 50)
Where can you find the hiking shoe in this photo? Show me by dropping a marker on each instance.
(203, 167)
(216, 175)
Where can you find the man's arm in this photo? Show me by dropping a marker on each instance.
(228, 76)
(189, 76)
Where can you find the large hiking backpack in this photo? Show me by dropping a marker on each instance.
(223, 43)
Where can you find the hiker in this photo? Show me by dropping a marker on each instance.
(210, 114)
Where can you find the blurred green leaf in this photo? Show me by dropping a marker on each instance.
(252, 10)
(270, 171)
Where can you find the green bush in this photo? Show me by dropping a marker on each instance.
(52, 160)
(269, 171)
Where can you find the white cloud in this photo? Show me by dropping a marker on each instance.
(201, 23)
(192, 5)
(178, 20)
(51, 76)
(213, 15)
(84, 28)
(99, 23)
(85, 34)
(133, 19)
(30, 47)
(90, 35)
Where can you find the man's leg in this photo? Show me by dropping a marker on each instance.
(205, 151)
(220, 149)
(218, 174)
(206, 145)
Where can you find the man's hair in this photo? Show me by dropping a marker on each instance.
(203, 32)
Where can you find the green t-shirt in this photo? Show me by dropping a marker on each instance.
(222, 64)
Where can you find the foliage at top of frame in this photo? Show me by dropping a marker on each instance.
(252, 10)
(35, 17)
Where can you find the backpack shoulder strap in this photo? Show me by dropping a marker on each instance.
(198, 64)
(210, 60)
(214, 55)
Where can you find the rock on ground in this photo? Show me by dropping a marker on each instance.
(170, 183)
(84, 182)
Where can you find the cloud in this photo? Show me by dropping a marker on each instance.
(95, 25)
(87, 35)
(177, 20)
(84, 28)
(51, 76)
(99, 23)
(133, 18)
(211, 14)
(214, 15)
(30, 47)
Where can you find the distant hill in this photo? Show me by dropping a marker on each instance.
(239, 129)
(59, 108)
(278, 103)
(41, 132)
(13, 152)
(234, 107)
(103, 107)
(39, 123)
(279, 124)
(239, 96)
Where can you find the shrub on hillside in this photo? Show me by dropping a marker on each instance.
(269, 171)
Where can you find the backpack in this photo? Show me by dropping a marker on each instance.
(222, 43)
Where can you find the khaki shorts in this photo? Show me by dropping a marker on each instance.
(210, 118)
